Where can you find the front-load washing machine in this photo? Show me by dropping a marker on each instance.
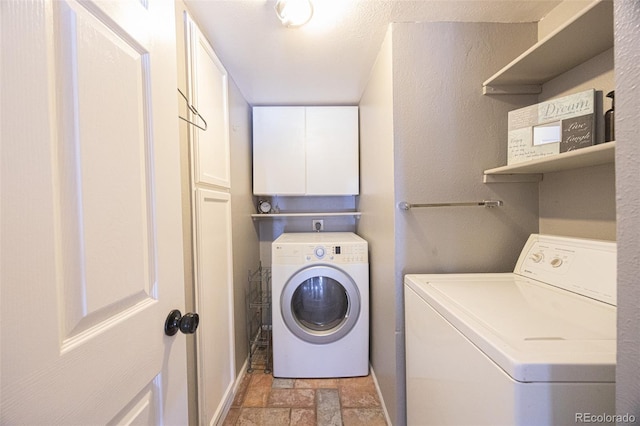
(320, 301)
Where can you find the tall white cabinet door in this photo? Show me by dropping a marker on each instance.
(279, 151)
(208, 88)
(332, 150)
(214, 300)
(91, 236)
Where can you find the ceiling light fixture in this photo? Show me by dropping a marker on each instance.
(294, 13)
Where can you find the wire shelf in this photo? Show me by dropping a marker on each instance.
(258, 297)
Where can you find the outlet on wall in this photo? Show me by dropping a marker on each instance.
(317, 225)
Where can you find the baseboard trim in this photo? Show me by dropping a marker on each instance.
(231, 395)
(384, 406)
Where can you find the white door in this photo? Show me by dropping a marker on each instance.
(91, 227)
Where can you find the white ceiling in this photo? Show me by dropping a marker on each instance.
(328, 60)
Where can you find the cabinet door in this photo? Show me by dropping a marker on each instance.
(332, 151)
(208, 88)
(278, 151)
(214, 302)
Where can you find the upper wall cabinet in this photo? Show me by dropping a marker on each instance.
(305, 151)
(208, 92)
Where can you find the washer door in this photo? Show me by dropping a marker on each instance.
(320, 304)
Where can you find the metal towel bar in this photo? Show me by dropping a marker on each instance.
(403, 205)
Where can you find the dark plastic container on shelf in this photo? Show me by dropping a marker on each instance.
(609, 119)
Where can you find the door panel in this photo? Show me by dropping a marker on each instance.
(279, 151)
(140, 411)
(208, 88)
(91, 243)
(215, 338)
(332, 166)
(103, 171)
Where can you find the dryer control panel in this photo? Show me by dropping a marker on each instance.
(301, 248)
(310, 253)
(349, 253)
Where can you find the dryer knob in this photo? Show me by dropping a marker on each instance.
(320, 252)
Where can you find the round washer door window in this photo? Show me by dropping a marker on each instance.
(320, 304)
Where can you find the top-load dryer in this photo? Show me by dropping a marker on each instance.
(320, 305)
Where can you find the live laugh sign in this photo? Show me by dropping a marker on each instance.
(552, 127)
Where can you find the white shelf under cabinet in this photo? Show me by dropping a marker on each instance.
(591, 156)
(311, 214)
(586, 35)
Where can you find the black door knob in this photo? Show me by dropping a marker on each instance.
(176, 321)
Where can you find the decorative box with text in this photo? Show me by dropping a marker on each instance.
(552, 127)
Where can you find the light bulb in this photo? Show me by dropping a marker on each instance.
(294, 13)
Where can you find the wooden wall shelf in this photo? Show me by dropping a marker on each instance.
(588, 34)
(591, 156)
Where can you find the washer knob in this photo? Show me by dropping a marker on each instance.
(556, 262)
(537, 257)
(320, 252)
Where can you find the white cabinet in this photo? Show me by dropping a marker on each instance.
(213, 276)
(208, 89)
(305, 151)
(214, 372)
(279, 150)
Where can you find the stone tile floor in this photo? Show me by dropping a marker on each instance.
(263, 400)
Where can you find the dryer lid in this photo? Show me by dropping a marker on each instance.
(533, 331)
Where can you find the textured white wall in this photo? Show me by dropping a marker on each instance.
(427, 135)
(376, 202)
(559, 15)
(246, 254)
(581, 202)
(447, 133)
(627, 57)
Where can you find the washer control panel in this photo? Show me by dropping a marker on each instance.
(550, 258)
(587, 267)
